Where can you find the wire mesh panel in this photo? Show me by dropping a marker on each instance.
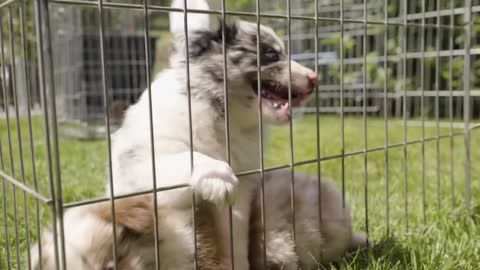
(394, 121)
(77, 66)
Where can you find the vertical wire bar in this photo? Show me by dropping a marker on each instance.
(450, 100)
(342, 109)
(58, 180)
(30, 131)
(422, 107)
(227, 128)
(146, 35)
(437, 102)
(385, 117)
(106, 106)
(317, 115)
(260, 130)
(290, 122)
(5, 218)
(190, 123)
(365, 131)
(9, 136)
(365, 143)
(466, 97)
(19, 133)
(40, 22)
(2, 167)
(404, 75)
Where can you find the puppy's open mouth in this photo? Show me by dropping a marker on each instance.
(277, 94)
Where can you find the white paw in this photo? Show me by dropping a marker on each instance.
(214, 181)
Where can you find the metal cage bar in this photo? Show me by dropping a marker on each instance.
(106, 105)
(404, 76)
(466, 99)
(260, 133)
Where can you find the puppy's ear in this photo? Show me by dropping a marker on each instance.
(204, 40)
(230, 30)
(134, 214)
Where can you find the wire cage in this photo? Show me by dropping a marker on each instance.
(78, 68)
(393, 122)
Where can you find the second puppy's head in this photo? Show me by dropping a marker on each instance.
(252, 69)
(89, 237)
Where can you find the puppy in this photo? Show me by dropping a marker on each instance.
(89, 234)
(212, 178)
(317, 240)
(89, 238)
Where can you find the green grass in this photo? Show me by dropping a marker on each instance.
(440, 234)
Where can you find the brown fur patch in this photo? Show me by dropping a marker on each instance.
(255, 250)
(209, 254)
(134, 213)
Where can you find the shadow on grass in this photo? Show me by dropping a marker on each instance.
(386, 252)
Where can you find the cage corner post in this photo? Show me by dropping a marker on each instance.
(467, 69)
(48, 105)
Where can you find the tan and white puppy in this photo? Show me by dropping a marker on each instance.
(89, 238)
(317, 241)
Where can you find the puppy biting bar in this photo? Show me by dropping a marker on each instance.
(18, 187)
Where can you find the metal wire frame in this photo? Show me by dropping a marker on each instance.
(260, 133)
(422, 108)
(9, 138)
(227, 126)
(404, 75)
(4, 188)
(290, 122)
(190, 122)
(466, 99)
(385, 122)
(152, 144)
(364, 115)
(237, 13)
(101, 30)
(48, 94)
(450, 101)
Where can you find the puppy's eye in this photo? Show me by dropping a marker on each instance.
(270, 56)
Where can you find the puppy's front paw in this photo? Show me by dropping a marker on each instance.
(215, 181)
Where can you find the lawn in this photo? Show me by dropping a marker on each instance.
(433, 232)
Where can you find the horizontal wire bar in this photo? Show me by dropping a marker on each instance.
(435, 14)
(474, 126)
(104, 199)
(354, 91)
(25, 188)
(6, 3)
(445, 125)
(330, 157)
(390, 58)
(249, 14)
